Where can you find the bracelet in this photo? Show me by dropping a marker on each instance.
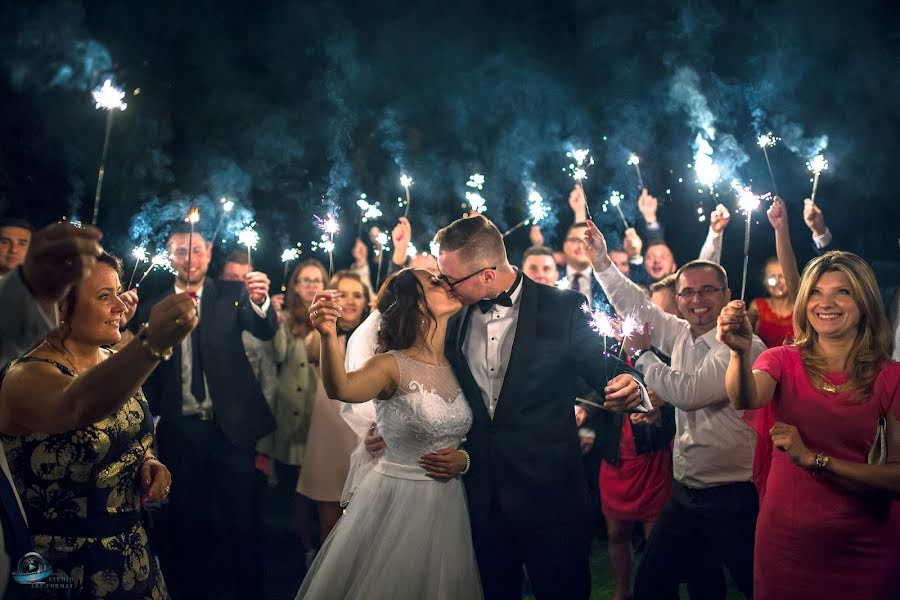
(821, 463)
(468, 462)
(152, 353)
(150, 458)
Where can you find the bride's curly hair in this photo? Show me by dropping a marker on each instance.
(404, 312)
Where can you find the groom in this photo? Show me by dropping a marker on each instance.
(518, 349)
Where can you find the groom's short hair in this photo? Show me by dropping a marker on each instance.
(475, 238)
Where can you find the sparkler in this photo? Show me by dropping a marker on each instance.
(616, 199)
(600, 322)
(816, 166)
(369, 212)
(108, 98)
(140, 255)
(474, 198)
(329, 226)
(630, 324)
(249, 238)
(193, 218)
(707, 171)
(227, 207)
(287, 257)
(581, 160)
(406, 181)
(635, 161)
(381, 246)
(764, 141)
(161, 260)
(537, 210)
(747, 202)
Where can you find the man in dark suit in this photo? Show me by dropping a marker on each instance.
(212, 412)
(517, 349)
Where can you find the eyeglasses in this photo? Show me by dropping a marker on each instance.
(575, 240)
(308, 281)
(706, 290)
(453, 284)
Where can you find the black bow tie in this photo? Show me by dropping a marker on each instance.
(504, 299)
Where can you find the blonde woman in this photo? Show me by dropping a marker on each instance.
(824, 528)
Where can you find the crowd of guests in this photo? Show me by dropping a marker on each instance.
(771, 452)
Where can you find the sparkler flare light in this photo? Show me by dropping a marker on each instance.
(581, 160)
(635, 161)
(615, 199)
(140, 255)
(537, 210)
(406, 181)
(474, 198)
(706, 170)
(289, 255)
(160, 260)
(330, 226)
(816, 166)
(767, 140)
(747, 202)
(109, 98)
(250, 238)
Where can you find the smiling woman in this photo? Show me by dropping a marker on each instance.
(73, 410)
(826, 499)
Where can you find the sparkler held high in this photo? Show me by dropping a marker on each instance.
(537, 210)
(406, 181)
(764, 141)
(474, 198)
(635, 161)
(287, 257)
(616, 199)
(193, 218)
(747, 202)
(109, 98)
(250, 238)
(140, 255)
(161, 260)
(816, 166)
(329, 226)
(581, 160)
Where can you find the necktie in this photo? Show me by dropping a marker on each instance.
(575, 282)
(198, 388)
(504, 299)
(15, 531)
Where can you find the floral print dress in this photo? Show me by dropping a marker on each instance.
(82, 497)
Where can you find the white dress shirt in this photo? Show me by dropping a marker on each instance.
(584, 282)
(488, 345)
(713, 444)
(189, 404)
(712, 247)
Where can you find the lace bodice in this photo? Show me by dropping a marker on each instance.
(428, 412)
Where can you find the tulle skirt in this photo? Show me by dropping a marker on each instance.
(403, 536)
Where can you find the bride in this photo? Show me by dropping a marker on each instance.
(406, 532)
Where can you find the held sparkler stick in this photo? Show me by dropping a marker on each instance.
(330, 226)
(381, 241)
(161, 260)
(249, 238)
(767, 141)
(581, 160)
(140, 255)
(193, 218)
(616, 199)
(536, 209)
(288, 256)
(635, 161)
(747, 202)
(816, 166)
(406, 181)
(108, 98)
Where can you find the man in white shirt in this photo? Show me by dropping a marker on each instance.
(714, 503)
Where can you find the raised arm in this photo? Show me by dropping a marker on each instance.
(747, 389)
(783, 249)
(712, 245)
(377, 378)
(36, 397)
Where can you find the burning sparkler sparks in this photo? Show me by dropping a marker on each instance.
(816, 166)
(287, 257)
(747, 202)
(474, 198)
(109, 98)
(249, 237)
(537, 210)
(193, 218)
(160, 260)
(140, 255)
(406, 181)
(767, 140)
(581, 160)
(635, 161)
(615, 199)
(329, 226)
(707, 171)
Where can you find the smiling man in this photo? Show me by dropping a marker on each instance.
(15, 236)
(714, 503)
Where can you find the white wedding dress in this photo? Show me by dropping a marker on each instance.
(405, 535)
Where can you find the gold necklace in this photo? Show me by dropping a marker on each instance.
(65, 354)
(835, 389)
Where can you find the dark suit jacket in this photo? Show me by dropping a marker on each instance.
(528, 456)
(239, 407)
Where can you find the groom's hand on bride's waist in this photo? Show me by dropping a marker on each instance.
(374, 443)
(622, 393)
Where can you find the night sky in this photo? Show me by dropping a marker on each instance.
(291, 107)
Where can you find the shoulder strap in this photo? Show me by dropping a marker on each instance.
(62, 368)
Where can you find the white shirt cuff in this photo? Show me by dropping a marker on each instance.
(261, 310)
(636, 260)
(823, 240)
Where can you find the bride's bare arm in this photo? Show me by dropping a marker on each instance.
(377, 377)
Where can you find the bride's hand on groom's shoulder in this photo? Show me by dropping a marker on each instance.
(324, 312)
(622, 393)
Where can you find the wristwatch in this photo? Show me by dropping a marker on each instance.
(154, 354)
(822, 462)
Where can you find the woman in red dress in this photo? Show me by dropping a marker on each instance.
(824, 528)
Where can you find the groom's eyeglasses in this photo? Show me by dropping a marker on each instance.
(453, 284)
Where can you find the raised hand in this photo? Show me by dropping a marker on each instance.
(719, 218)
(402, 235)
(813, 217)
(632, 243)
(59, 256)
(734, 329)
(130, 299)
(257, 286)
(324, 312)
(596, 247)
(171, 320)
(536, 236)
(648, 206)
(777, 214)
(578, 202)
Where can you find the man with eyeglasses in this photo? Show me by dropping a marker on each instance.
(714, 503)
